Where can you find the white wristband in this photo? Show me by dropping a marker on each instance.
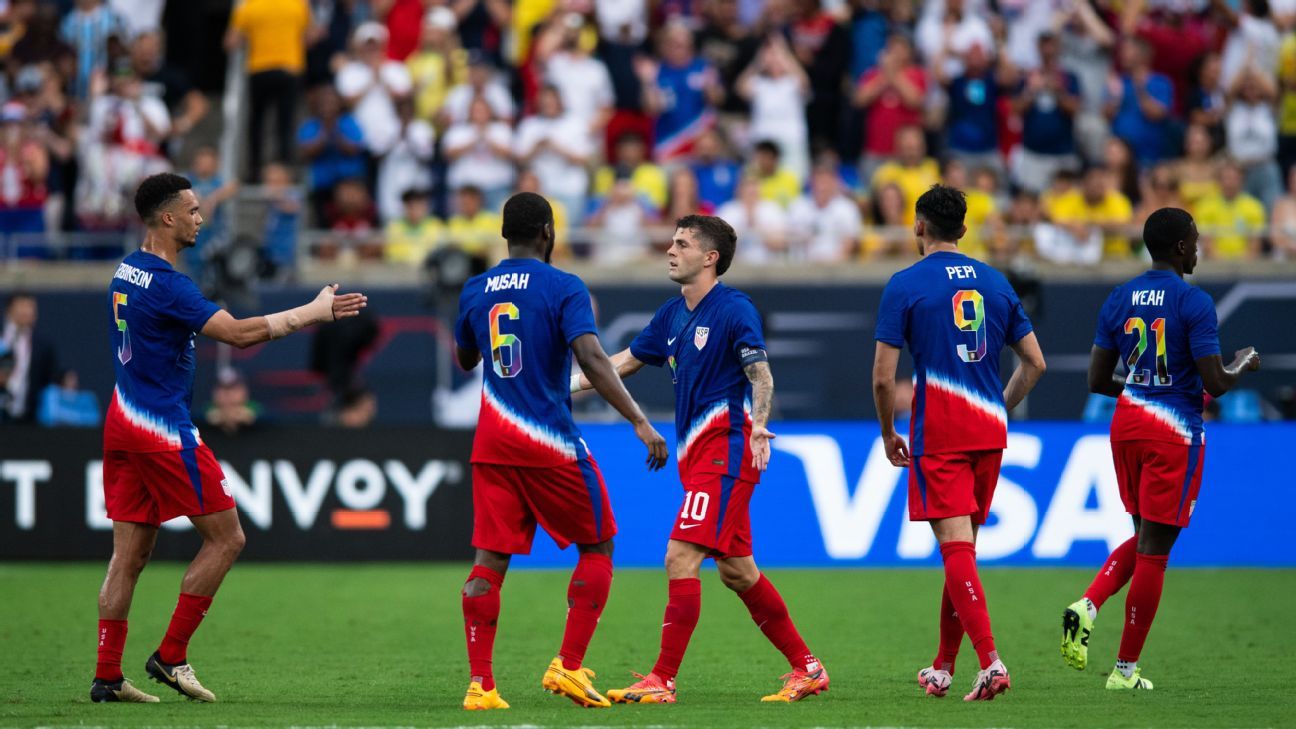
(575, 385)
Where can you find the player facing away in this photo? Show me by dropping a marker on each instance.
(155, 465)
(955, 314)
(529, 462)
(711, 338)
(1165, 331)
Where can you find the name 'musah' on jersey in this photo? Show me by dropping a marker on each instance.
(137, 276)
(506, 281)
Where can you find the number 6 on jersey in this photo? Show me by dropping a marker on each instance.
(510, 364)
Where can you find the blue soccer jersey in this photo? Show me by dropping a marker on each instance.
(956, 314)
(523, 315)
(154, 313)
(1160, 325)
(706, 350)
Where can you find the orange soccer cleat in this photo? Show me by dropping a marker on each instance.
(800, 684)
(649, 690)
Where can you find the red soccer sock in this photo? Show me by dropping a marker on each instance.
(1141, 603)
(481, 613)
(1113, 576)
(189, 613)
(770, 614)
(683, 607)
(112, 641)
(586, 595)
(951, 635)
(968, 598)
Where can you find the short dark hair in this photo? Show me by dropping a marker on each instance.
(414, 193)
(525, 216)
(158, 191)
(942, 209)
(716, 234)
(769, 145)
(1163, 229)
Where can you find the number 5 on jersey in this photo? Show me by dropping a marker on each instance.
(506, 349)
(124, 351)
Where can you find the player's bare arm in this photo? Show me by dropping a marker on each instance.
(885, 361)
(1030, 368)
(603, 376)
(1219, 378)
(467, 357)
(623, 362)
(327, 306)
(762, 382)
(1102, 372)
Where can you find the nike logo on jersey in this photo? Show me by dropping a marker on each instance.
(688, 526)
(670, 342)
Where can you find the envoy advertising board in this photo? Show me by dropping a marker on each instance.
(830, 498)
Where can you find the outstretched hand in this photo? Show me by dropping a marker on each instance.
(343, 306)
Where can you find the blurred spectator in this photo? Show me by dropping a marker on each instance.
(6, 374)
(620, 219)
(13, 23)
(631, 162)
(1088, 45)
(1252, 40)
(121, 146)
(948, 30)
(65, 403)
(680, 92)
(24, 168)
(911, 169)
(232, 409)
(1282, 224)
(972, 113)
(283, 215)
(1198, 171)
(982, 213)
(371, 84)
(33, 357)
(1047, 99)
(892, 96)
(1230, 221)
(438, 64)
(332, 144)
(1139, 103)
(141, 16)
(1287, 103)
(87, 29)
(351, 214)
(1176, 39)
(728, 45)
(777, 183)
(777, 89)
(1023, 224)
(529, 181)
(889, 234)
(186, 104)
(1251, 128)
(402, 19)
(1089, 224)
(824, 226)
(1206, 103)
(557, 146)
(41, 39)
(474, 227)
(1119, 160)
(761, 225)
(1160, 190)
(415, 233)
(871, 23)
(275, 33)
(336, 351)
(822, 46)
(682, 198)
(480, 152)
(213, 191)
(581, 80)
(482, 83)
(716, 171)
(482, 24)
(407, 162)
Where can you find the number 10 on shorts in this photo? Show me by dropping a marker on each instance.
(695, 505)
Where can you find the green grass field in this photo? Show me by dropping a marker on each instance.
(382, 645)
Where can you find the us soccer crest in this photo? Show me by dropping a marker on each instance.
(700, 336)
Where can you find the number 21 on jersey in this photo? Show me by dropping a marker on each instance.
(506, 349)
(1133, 325)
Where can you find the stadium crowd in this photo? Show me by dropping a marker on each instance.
(811, 125)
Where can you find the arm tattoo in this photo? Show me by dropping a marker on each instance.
(762, 391)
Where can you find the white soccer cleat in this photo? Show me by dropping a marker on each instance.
(990, 682)
(935, 682)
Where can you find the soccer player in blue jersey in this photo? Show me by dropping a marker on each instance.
(1165, 331)
(155, 465)
(529, 462)
(955, 314)
(710, 337)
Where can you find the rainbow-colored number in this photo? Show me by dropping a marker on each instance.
(1144, 377)
(506, 349)
(974, 323)
(124, 351)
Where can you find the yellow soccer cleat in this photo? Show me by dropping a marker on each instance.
(800, 684)
(649, 690)
(1117, 681)
(479, 699)
(575, 685)
(1076, 629)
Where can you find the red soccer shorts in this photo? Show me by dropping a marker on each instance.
(715, 515)
(1159, 481)
(942, 485)
(570, 501)
(150, 488)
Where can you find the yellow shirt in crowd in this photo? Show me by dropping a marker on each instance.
(275, 32)
(912, 181)
(1230, 224)
(648, 181)
(980, 208)
(434, 74)
(782, 187)
(479, 235)
(1113, 209)
(411, 242)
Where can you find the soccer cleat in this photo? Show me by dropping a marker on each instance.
(179, 677)
(990, 682)
(478, 699)
(935, 681)
(102, 691)
(1076, 628)
(1117, 681)
(799, 684)
(575, 685)
(649, 690)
